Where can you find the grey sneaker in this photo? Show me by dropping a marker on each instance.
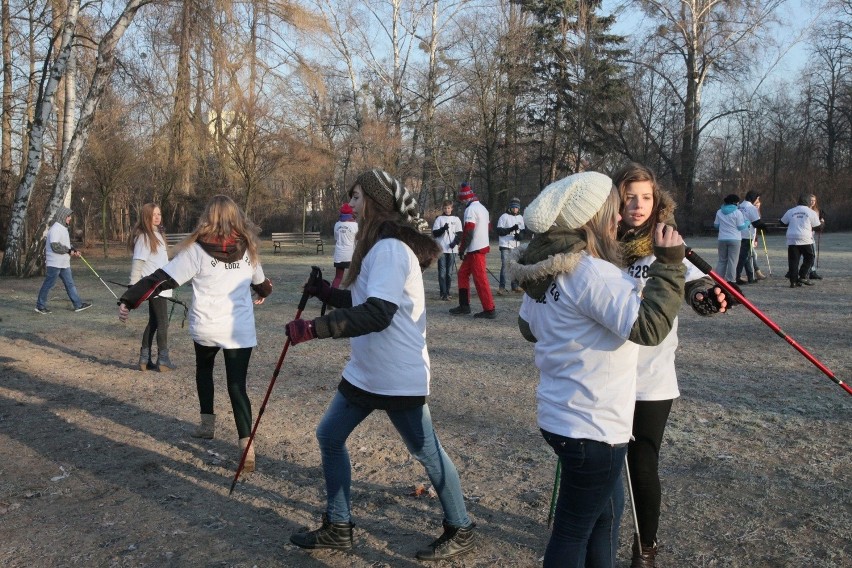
(42, 310)
(453, 542)
(83, 306)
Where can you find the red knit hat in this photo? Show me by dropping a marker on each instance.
(346, 209)
(465, 192)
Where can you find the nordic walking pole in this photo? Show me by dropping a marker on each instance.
(555, 492)
(702, 265)
(766, 251)
(818, 233)
(316, 275)
(632, 501)
(173, 300)
(83, 258)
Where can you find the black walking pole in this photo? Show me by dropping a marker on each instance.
(702, 265)
(174, 302)
(316, 276)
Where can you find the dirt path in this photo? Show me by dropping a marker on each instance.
(97, 467)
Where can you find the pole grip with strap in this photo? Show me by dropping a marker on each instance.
(702, 265)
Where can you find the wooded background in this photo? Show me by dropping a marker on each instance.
(280, 104)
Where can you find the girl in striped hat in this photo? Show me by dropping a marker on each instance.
(382, 309)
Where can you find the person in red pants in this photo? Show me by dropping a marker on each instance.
(473, 247)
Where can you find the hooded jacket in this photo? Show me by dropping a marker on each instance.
(560, 250)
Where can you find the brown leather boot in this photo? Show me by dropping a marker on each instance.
(643, 556)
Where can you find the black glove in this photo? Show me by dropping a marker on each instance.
(708, 304)
(321, 290)
(514, 228)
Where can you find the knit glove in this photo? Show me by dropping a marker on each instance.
(300, 331)
(321, 290)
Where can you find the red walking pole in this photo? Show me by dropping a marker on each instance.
(316, 275)
(702, 265)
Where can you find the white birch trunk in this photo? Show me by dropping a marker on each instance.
(71, 159)
(70, 111)
(12, 259)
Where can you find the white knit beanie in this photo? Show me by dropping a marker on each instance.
(570, 202)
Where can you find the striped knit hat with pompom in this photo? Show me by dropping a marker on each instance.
(390, 194)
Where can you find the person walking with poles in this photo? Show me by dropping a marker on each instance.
(382, 309)
(643, 205)
(58, 254)
(221, 259)
(587, 322)
(473, 249)
(510, 228)
(801, 221)
(446, 230)
(149, 249)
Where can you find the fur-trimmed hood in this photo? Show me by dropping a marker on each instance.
(555, 252)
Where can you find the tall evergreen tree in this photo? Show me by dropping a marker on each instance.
(578, 82)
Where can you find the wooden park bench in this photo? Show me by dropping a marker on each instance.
(174, 238)
(289, 239)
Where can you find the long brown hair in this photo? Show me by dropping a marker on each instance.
(600, 231)
(369, 225)
(145, 226)
(222, 219)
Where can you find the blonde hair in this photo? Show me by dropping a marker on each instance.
(145, 226)
(221, 219)
(600, 231)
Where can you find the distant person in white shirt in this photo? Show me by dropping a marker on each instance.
(58, 254)
(447, 232)
(510, 230)
(473, 248)
(149, 250)
(344, 242)
(801, 221)
(730, 224)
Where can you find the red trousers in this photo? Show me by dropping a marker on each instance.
(474, 264)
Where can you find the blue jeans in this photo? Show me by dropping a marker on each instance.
(589, 506)
(50, 277)
(415, 427)
(445, 262)
(504, 259)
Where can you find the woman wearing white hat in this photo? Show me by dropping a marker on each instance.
(587, 320)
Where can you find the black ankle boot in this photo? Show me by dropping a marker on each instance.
(464, 303)
(453, 542)
(643, 556)
(337, 536)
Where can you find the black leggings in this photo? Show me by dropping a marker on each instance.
(158, 323)
(236, 369)
(643, 456)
